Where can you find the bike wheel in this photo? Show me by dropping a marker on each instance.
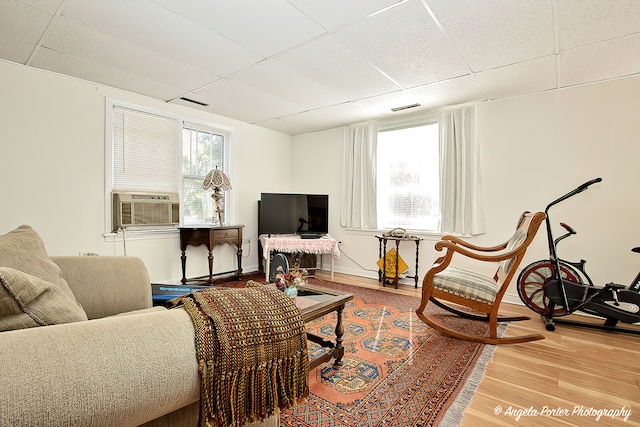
(533, 280)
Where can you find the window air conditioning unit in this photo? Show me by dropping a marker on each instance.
(139, 211)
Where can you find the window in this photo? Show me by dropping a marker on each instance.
(420, 172)
(154, 151)
(408, 178)
(202, 151)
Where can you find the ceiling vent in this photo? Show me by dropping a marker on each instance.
(193, 101)
(406, 107)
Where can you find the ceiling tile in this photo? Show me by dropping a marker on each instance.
(284, 127)
(336, 13)
(582, 22)
(146, 24)
(522, 78)
(330, 63)
(238, 94)
(48, 59)
(600, 61)
(48, 5)
(347, 112)
(279, 80)
(460, 90)
(313, 120)
(22, 22)
(266, 27)
(220, 108)
(405, 43)
(491, 34)
(284, 63)
(73, 39)
(15, 50)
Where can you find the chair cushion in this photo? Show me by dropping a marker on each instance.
(467, 284)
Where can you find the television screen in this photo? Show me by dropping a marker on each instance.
(283, 213)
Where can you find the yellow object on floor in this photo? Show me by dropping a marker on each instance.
(391, 258)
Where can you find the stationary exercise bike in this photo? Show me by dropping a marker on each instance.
(556, 287)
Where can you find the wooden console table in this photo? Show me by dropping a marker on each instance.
(291, 243)
(210, 237)
(382, 250)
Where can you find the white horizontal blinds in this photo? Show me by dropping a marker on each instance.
(145, 151)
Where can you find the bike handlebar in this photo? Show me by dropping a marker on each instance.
(572, 193)
(569, 229)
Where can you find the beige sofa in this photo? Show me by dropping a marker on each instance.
(129, 364)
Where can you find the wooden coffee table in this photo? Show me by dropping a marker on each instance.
(315, 301)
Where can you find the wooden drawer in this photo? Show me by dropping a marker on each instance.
(230, 235)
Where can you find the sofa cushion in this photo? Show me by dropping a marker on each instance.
(27, 301)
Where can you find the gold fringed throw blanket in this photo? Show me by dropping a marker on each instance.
(251, 348)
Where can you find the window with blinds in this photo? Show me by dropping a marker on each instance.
(156, 153)
(408, 177)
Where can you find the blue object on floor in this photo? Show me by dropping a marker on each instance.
(161, 293)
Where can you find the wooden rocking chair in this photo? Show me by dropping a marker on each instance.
(477, 292)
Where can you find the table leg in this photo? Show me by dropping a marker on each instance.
(332, 265)
(183, 260)
(339, 349)
(396, 279)
(384, 263)
(380, 256)
(267, 265)
(210, 265)
(239, 253)
(416, 275)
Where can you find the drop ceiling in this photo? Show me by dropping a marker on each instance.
(299, 66)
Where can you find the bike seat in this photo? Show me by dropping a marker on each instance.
(612, 285)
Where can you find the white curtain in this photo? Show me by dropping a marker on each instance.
(359, 177)
(460, 195)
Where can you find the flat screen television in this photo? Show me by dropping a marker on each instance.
(284, 213)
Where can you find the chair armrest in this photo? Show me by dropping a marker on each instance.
(469, 245)
(106, 285)
(452, 247)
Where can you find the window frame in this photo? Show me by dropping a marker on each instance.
(183, 120)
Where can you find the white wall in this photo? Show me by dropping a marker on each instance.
(52, 146)
(534, 149)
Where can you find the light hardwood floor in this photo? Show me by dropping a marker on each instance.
(559, 381)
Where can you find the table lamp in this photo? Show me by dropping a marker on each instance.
(217, 180)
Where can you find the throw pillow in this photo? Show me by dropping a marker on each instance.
(27, 301)
(22, 249)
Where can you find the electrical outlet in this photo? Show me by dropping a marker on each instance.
(246, 241)
(341, 243)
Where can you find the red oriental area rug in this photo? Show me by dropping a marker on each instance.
(396, 370)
